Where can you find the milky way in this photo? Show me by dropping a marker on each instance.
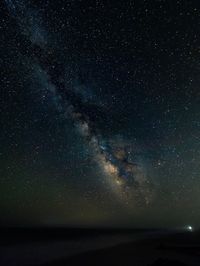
(125, 176)
(100, 112)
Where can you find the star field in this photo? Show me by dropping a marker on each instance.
(100, 113)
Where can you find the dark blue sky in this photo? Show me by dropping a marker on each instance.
(100, 113)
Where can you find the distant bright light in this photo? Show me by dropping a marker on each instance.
(189, 228)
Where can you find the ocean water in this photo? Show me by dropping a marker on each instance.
(39, 252)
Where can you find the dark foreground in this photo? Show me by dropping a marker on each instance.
(60, 247)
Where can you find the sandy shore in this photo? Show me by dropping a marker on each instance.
(178, 249)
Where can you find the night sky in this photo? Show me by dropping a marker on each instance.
(100, 113)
